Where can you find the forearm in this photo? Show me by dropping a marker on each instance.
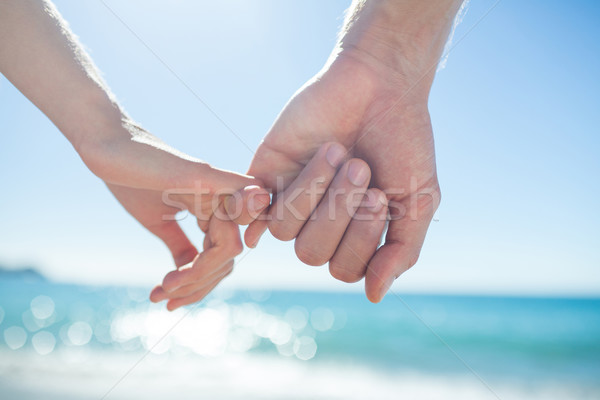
(43, 59)
(406, 36)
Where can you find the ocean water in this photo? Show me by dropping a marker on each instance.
(60, 341)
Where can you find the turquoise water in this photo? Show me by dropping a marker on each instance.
(504, 347)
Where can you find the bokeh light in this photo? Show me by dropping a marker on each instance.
(15, 337)
(43, 342)
(42, 307)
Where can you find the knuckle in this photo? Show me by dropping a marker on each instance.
(341, 273)
(412, 261)
(170, 281)
(228, 270)
(235, 247)
(281, 232)
(308, 255)
(436, 206)
(429, 201)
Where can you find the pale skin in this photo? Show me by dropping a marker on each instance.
(371, 97)
(360, 127)
(40, 56)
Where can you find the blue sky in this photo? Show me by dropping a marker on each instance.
(515, 115)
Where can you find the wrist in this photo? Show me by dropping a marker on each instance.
(119, 151)
(90, 118)
(404, 37)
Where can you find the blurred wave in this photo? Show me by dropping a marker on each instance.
(67, 340)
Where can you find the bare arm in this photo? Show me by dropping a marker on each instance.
(43, 59)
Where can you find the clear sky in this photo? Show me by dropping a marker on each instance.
(515, 114)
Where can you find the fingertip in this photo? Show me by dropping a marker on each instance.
(254, 232)
(169, 283)
(372, 297)
(172, 305)
(157, 294)
(376, 295)
(388, 263)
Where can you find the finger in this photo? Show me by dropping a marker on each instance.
(160, 167)
(225, 244)
(321, 235)
(255, 230)
(228, 181)
(202, 224)
(206, 243)
(349, 263)
(158, 219)
(246, 205)
(159, 294)
(204, 265)
(404, 239)
(293, 207)
(197, 296)
(182, 250)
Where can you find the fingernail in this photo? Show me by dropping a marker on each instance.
(357, 173)
(335, 155)
(374, 203)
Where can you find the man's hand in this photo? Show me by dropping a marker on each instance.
(349, 103)
(372, 98)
